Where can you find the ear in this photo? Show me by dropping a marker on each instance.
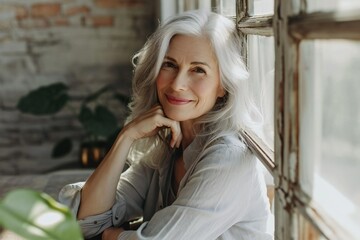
(221, 92)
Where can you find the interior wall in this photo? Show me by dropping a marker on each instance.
(83, 43)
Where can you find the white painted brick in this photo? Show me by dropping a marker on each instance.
(13, 65)
(29, 2)
(118, 32)
(50, 48)
(81, 56)
(74, 32)
(7, 12)
(13, 47)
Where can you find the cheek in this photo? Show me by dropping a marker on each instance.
(161, 80)
(201, 87)
(205, 90)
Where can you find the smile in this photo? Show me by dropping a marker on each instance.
(176, 100)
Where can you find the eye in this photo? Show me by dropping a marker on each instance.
(199, 70)
(168, 64)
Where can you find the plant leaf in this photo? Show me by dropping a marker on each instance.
(122, 98)
(37, 216)
(44, 100)
(101, 123)
(62, 148)
(97, 94)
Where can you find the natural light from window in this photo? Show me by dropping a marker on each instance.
(332, 5)
(261, 7)
(261, 62)
(329, 132)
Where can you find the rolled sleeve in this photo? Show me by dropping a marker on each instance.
(70, 195)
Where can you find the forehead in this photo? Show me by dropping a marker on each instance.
(192, 48)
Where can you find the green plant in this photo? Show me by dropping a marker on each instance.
(98, 122)
(37, 216)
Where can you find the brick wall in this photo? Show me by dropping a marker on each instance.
(83, 43)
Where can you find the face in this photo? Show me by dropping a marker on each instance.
(188, 83)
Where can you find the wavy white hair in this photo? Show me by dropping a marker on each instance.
(231, 113)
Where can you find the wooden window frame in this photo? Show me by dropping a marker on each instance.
(289, 26)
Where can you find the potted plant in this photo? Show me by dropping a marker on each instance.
(99, 123)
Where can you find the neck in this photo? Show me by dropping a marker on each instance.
(188, 133)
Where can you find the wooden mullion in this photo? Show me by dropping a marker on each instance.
(258, 31)
(256, 22)
(286, 122)
(259, 25)
(241, 9)
(241, 12)
(260, 149)
(333, 25)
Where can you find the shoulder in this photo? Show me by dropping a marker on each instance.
(225, 150)
(230, 147)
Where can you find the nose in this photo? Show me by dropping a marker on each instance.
(180, 81)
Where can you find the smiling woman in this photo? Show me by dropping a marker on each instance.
(188, 83)
(192, 175)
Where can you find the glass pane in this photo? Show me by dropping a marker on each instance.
(329, 128)
(228, 7)
(187, 5)
(261, 62)
(261, 7)
(225, 7)
(332, 5)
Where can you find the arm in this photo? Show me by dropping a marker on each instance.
(130, 194)
(98, 193)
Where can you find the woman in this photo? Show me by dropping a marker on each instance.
(192, 175)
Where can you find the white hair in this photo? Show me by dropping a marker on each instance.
(231, 113)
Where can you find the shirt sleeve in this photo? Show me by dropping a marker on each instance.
(217, 195)
(130, 195)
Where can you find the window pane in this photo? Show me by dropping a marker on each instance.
(329, 128)
(225, 7)
(228, 7)
(261, 61)
(261, 7)
(332, 5)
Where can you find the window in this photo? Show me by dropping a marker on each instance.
(329, 115)
(305, 54)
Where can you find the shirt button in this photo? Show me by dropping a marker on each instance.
(95, 222)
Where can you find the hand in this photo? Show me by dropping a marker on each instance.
(149, 123)
(111, 233)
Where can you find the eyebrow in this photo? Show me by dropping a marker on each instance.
(192, 63)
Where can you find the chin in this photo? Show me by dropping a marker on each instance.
(178, 116)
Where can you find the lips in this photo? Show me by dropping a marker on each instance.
(177, 100)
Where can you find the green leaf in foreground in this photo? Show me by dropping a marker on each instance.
(37, 216)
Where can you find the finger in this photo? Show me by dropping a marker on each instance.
(176, 134)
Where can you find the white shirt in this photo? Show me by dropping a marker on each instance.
(221, 196)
